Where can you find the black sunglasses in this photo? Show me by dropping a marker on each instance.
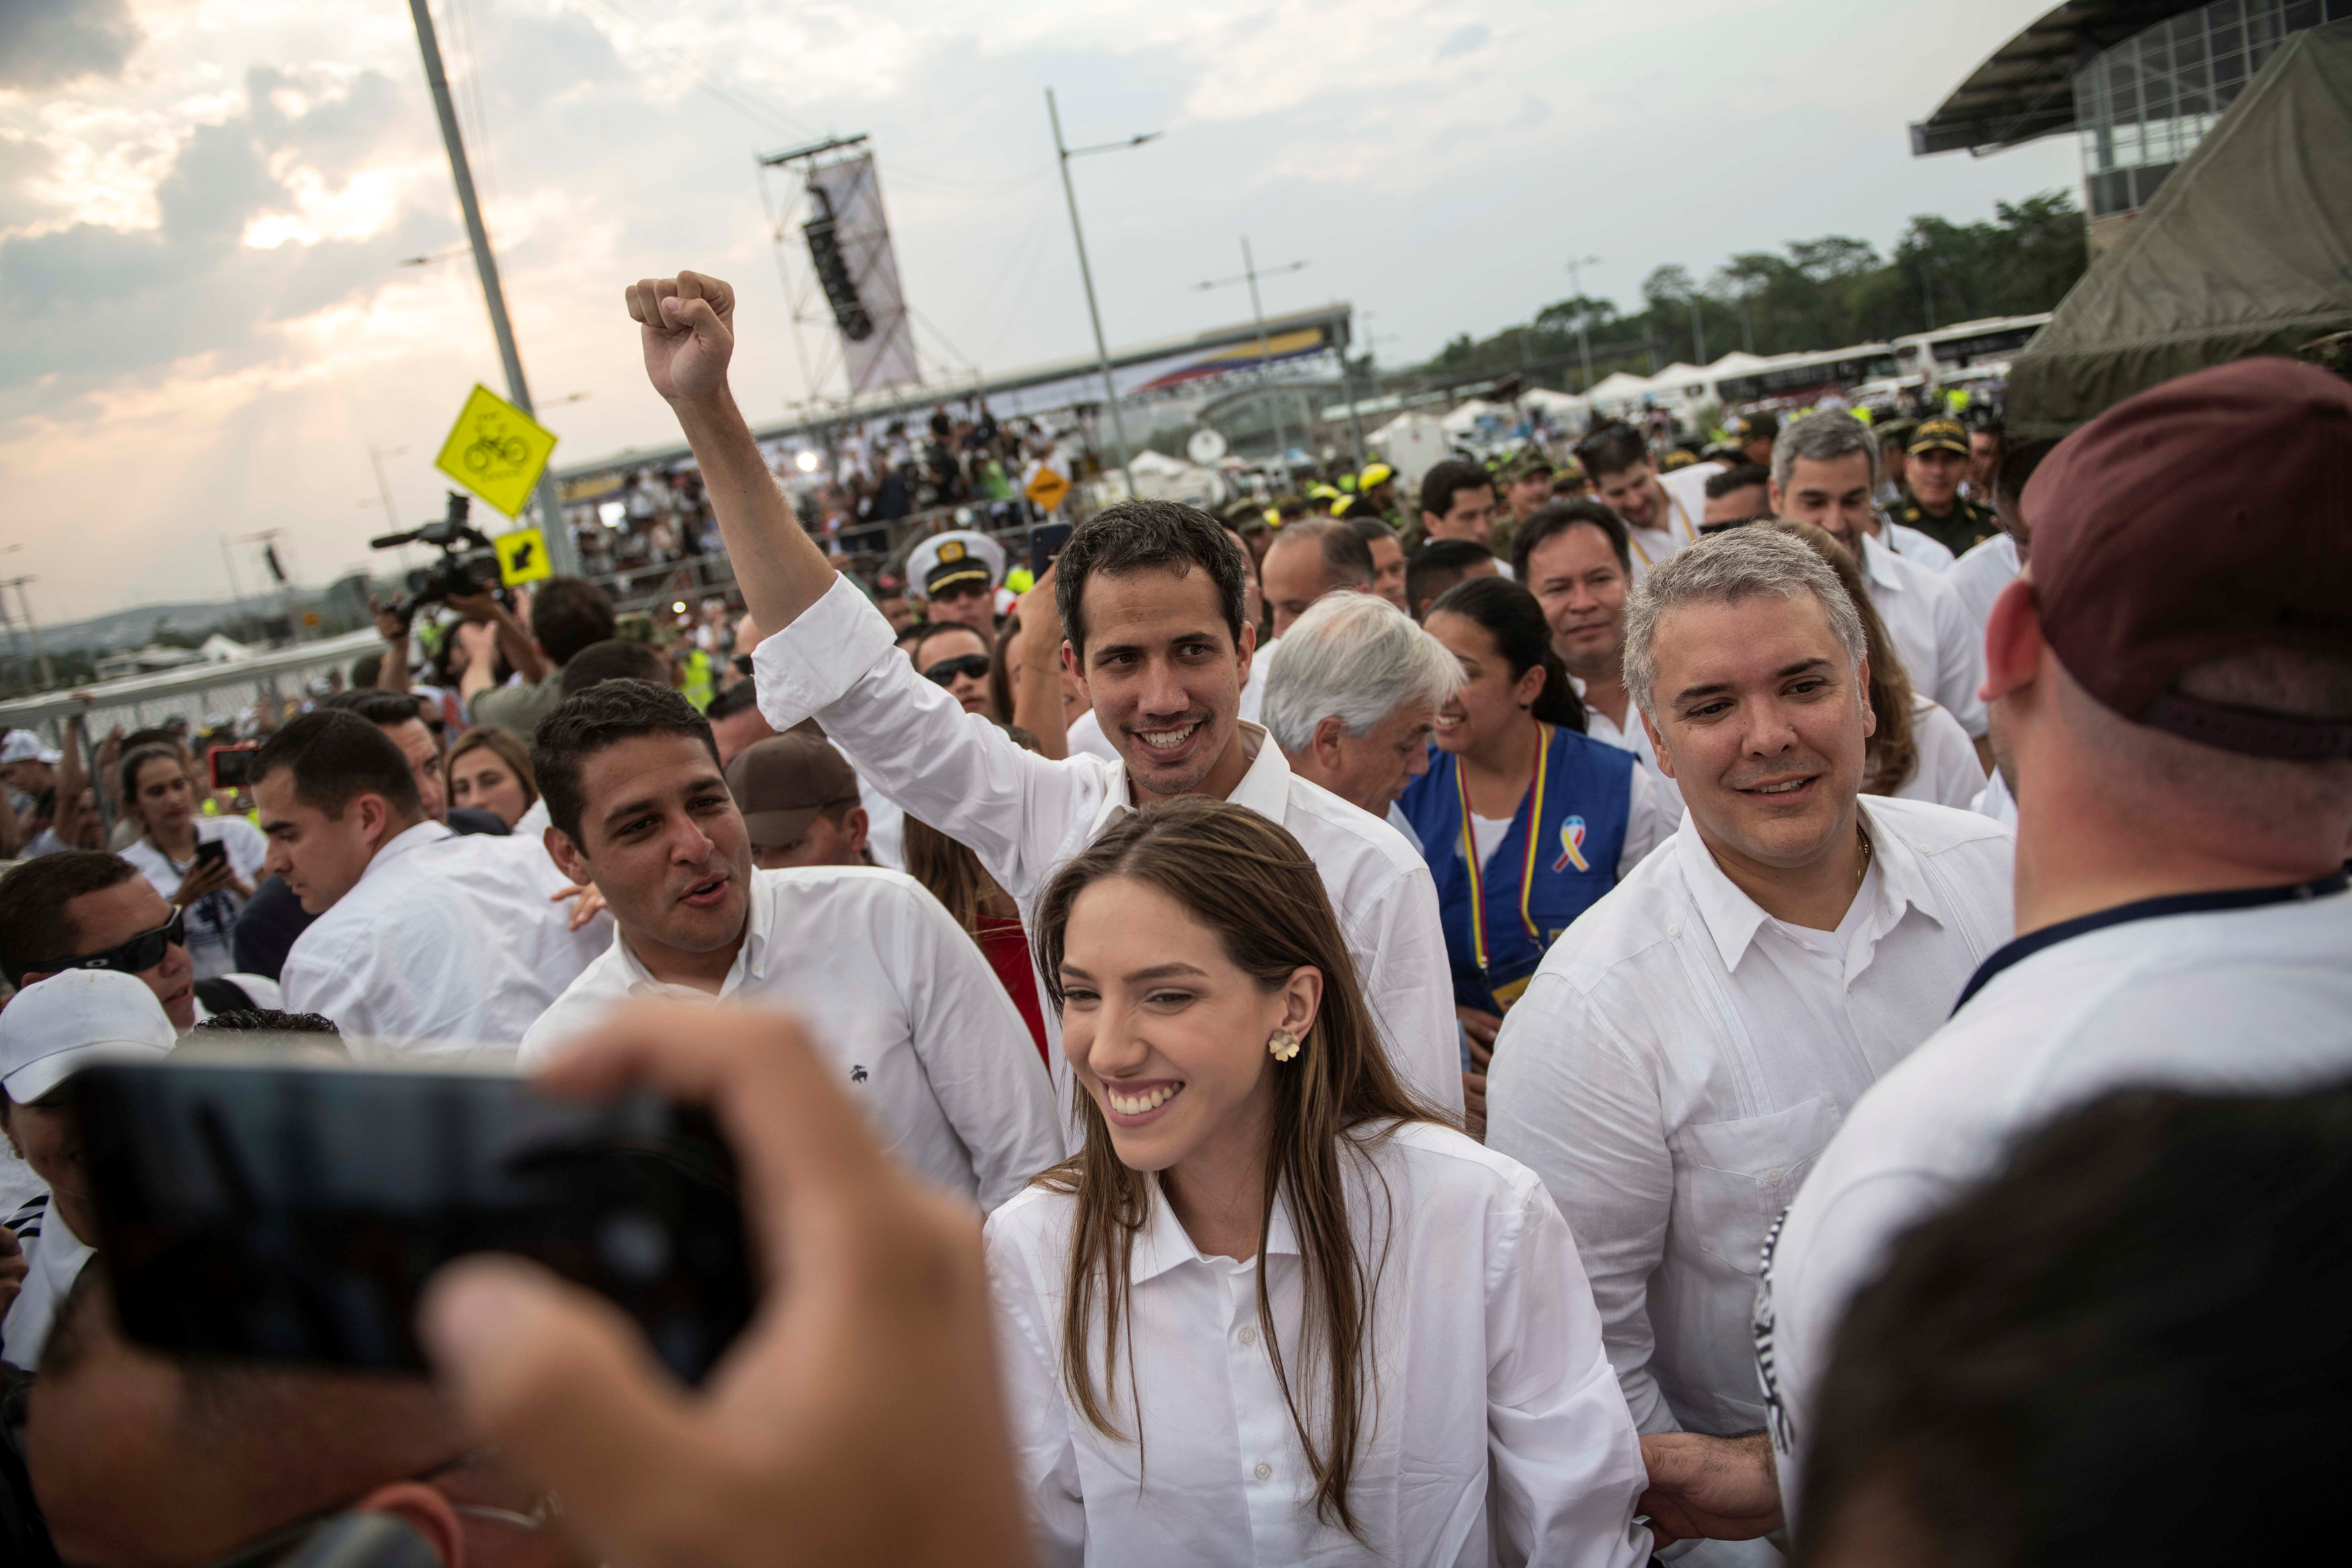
(142, 953)
(974, 666)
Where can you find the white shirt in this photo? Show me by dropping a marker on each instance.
(1685, 504)
(1923, 549)
(1978, 576)
(1024, 815)
(1940, 647)
(1948, 771)
(212, 919)
(1494, 1408)
(1086, 732)
(1680, 1058)
(897, 996)
(53, 1259)
(886, 825)
(1994, 801)
(2230, 1000)
(448, 947)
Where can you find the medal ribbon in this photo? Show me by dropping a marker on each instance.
(1534, 803)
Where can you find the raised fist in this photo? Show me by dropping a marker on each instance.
(687, 326)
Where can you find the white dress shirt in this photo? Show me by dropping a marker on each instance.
(447, 948)
(1948, 771)
(2209, 998)
(1978, 576)
(1682, 1057)
(1086, 732)
(1635, 737)
(54, 1259)
(1025, 815)
(1921, 549)
(1494, 1431)
(1994, 801)
(1678, 529)
(897, 997)
(1941, 648)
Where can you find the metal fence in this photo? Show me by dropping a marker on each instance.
(200, 693)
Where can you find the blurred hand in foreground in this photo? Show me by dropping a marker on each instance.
(856, 1421)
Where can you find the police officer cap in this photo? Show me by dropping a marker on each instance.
(958, 557)
(1939, 436)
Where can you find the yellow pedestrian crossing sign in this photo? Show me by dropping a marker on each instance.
(495, 451)
(523, 557)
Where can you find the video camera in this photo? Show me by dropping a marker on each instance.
(468, 564)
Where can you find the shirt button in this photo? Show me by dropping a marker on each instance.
(1264, 1473)
(1773, 1175)
(1249, 1333)
(1674, 930)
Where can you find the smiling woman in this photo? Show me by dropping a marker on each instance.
(1259, 1202)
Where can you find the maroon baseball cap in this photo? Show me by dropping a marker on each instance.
(2209, 515)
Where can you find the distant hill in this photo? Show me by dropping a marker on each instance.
(135, 627)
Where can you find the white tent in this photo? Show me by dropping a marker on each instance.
(1555, 405)
(1412, 444)
(1465, 417)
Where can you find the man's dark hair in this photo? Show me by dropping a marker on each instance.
(268, 1020)
(365, 670)
(738, 698)
(1438, 566)
(2103, 1351)
(376, 706)
(613, 659)
(336, 756)
(1611, 449)
(1346, 558)
(600, 717)
(1448, 480)
(1147, 536)
(2018, 462)
(1556, 518)
(1369, 527)
(1739, 477)
(913, 633)
(567, 614)
(34, 925)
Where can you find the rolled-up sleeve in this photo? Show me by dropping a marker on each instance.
(916, 745)
(1573, 1102)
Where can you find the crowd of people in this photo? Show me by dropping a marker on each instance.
(1785, 1005)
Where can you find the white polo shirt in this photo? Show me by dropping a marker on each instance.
(1682, 1057)
(447, 948)
(1942, 649)
(1494, 1430)
(2217, 993)
(1978, 576)
(1025, 815)
(895, 995)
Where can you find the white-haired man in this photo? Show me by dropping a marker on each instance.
(1352, 696)
(1689, 1046)
(1824, 467)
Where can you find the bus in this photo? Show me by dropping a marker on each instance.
(1805, 376)
(1929, 356)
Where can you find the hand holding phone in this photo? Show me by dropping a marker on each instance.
(1045, 542)
(230, 767)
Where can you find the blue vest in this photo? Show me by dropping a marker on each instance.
(1587, 791)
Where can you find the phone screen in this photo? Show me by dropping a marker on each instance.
(213, 850)
(294, 1212)
(231, 766)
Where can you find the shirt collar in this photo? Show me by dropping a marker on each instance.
(1733, 918)
(1879, 563)
(759, 925)
(405, 842)
(1264, 788)
(1162, 1245)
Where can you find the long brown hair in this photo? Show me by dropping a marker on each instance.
(1247, 879)
(1894, 754)
(511, 749)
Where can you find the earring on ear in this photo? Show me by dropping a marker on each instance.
(1283, 1045)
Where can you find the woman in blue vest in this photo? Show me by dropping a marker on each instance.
(1525, 822)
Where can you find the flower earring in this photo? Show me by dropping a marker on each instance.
(1284, 1045)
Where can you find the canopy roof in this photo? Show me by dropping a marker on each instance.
(2025, 89)
(2246, 249)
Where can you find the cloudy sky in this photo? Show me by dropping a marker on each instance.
(204, 326)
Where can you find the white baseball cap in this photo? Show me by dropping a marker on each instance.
(69, 1020)
(23, 746)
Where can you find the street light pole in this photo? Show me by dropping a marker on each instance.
(1250, 275)
(1576, 267)
(559, 551)
(1064, 152)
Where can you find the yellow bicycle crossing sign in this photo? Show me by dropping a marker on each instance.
(495, 451)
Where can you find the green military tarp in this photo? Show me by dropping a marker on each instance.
(2246, 249)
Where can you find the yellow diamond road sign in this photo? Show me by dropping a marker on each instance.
(496, 451)
(523, 557)
(1047, 488)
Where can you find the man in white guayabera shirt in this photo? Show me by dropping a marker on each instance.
(1151, 594)
(1689, 1046)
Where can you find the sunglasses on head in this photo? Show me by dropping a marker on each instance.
(142, 953)
(971, 665)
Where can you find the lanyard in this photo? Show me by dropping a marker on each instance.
(1535, 798)
(1690, 535)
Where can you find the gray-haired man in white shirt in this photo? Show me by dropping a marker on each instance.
(1151, 592)
(895, 993)
(1687, 1048)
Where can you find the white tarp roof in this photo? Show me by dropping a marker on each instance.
(1467, 416)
